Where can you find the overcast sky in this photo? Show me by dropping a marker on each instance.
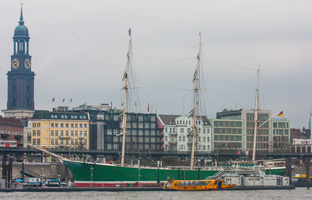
(79, 47)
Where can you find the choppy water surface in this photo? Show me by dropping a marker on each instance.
(299, 193)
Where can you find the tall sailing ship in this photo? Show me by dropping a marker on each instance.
(89, 174)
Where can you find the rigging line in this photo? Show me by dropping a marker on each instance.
(97, 74)
(158, 58)
(165, 78)
(202, 84)
(221, 95)
(174, 100)
(266, 88)
(239, 90)
(161, 96)
(249, 99)
(224, 64)
(165, 86)
(138, 92)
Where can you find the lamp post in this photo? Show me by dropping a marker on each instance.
(150, 158)
(59, 179)
(91, 169)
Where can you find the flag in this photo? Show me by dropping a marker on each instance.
(148, 107)
(129, 31)
(71, 99)
(53, 99)
(246, 152)
(238, 152)
(199, 33)
(280, 114)
(64, 100)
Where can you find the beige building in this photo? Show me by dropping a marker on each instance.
(60, 130)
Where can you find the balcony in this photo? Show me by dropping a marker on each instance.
(172, 133)
(172, 141)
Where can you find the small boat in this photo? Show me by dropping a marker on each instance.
(197, 185)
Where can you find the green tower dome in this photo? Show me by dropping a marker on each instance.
(21, 30)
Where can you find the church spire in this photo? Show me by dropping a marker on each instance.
(21, 21)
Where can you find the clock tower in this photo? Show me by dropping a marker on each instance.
(20, 78)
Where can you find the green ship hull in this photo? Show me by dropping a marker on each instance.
(106, 175)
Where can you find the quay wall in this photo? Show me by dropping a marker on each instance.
(47, 170)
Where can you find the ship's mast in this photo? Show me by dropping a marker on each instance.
(124, 110)
(256, 119)
(193, 112)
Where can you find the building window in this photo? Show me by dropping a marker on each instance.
(80, 125)
(146, 139)
(38, 132)
(52, 141)
(146, 125)
(52, 124)
(85, 141)
(34, 141)
(115, 146)
(109, 146)
(153, 125)
(76, 125)
(109, 131)
(86, 125)
(38, 141)
(67, 133)
(67, 125)
(72, 141)
(62, 133)
(62, 125)
(52, 132)
(72, 125)
(56, 132)
(76, 133)
(34, 132)
(80, 133)
(85, 133)
(76, 141)
(116, 131)
(56, 124)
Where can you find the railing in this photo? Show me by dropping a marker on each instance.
(30, 173)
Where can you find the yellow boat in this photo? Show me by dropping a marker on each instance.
(197, 185)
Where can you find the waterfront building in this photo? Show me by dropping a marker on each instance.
(20, 102)
(177, 133)
(12, 130)
(142, 134)
(301, 140)
(60, 130)
(264, 137)
(227, 135)
(281, 135)
(143, 130)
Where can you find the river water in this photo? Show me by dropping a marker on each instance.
(298, 193)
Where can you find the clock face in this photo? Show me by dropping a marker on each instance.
(15, 63)
(27, 64)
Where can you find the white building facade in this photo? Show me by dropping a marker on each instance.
(178, 133)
